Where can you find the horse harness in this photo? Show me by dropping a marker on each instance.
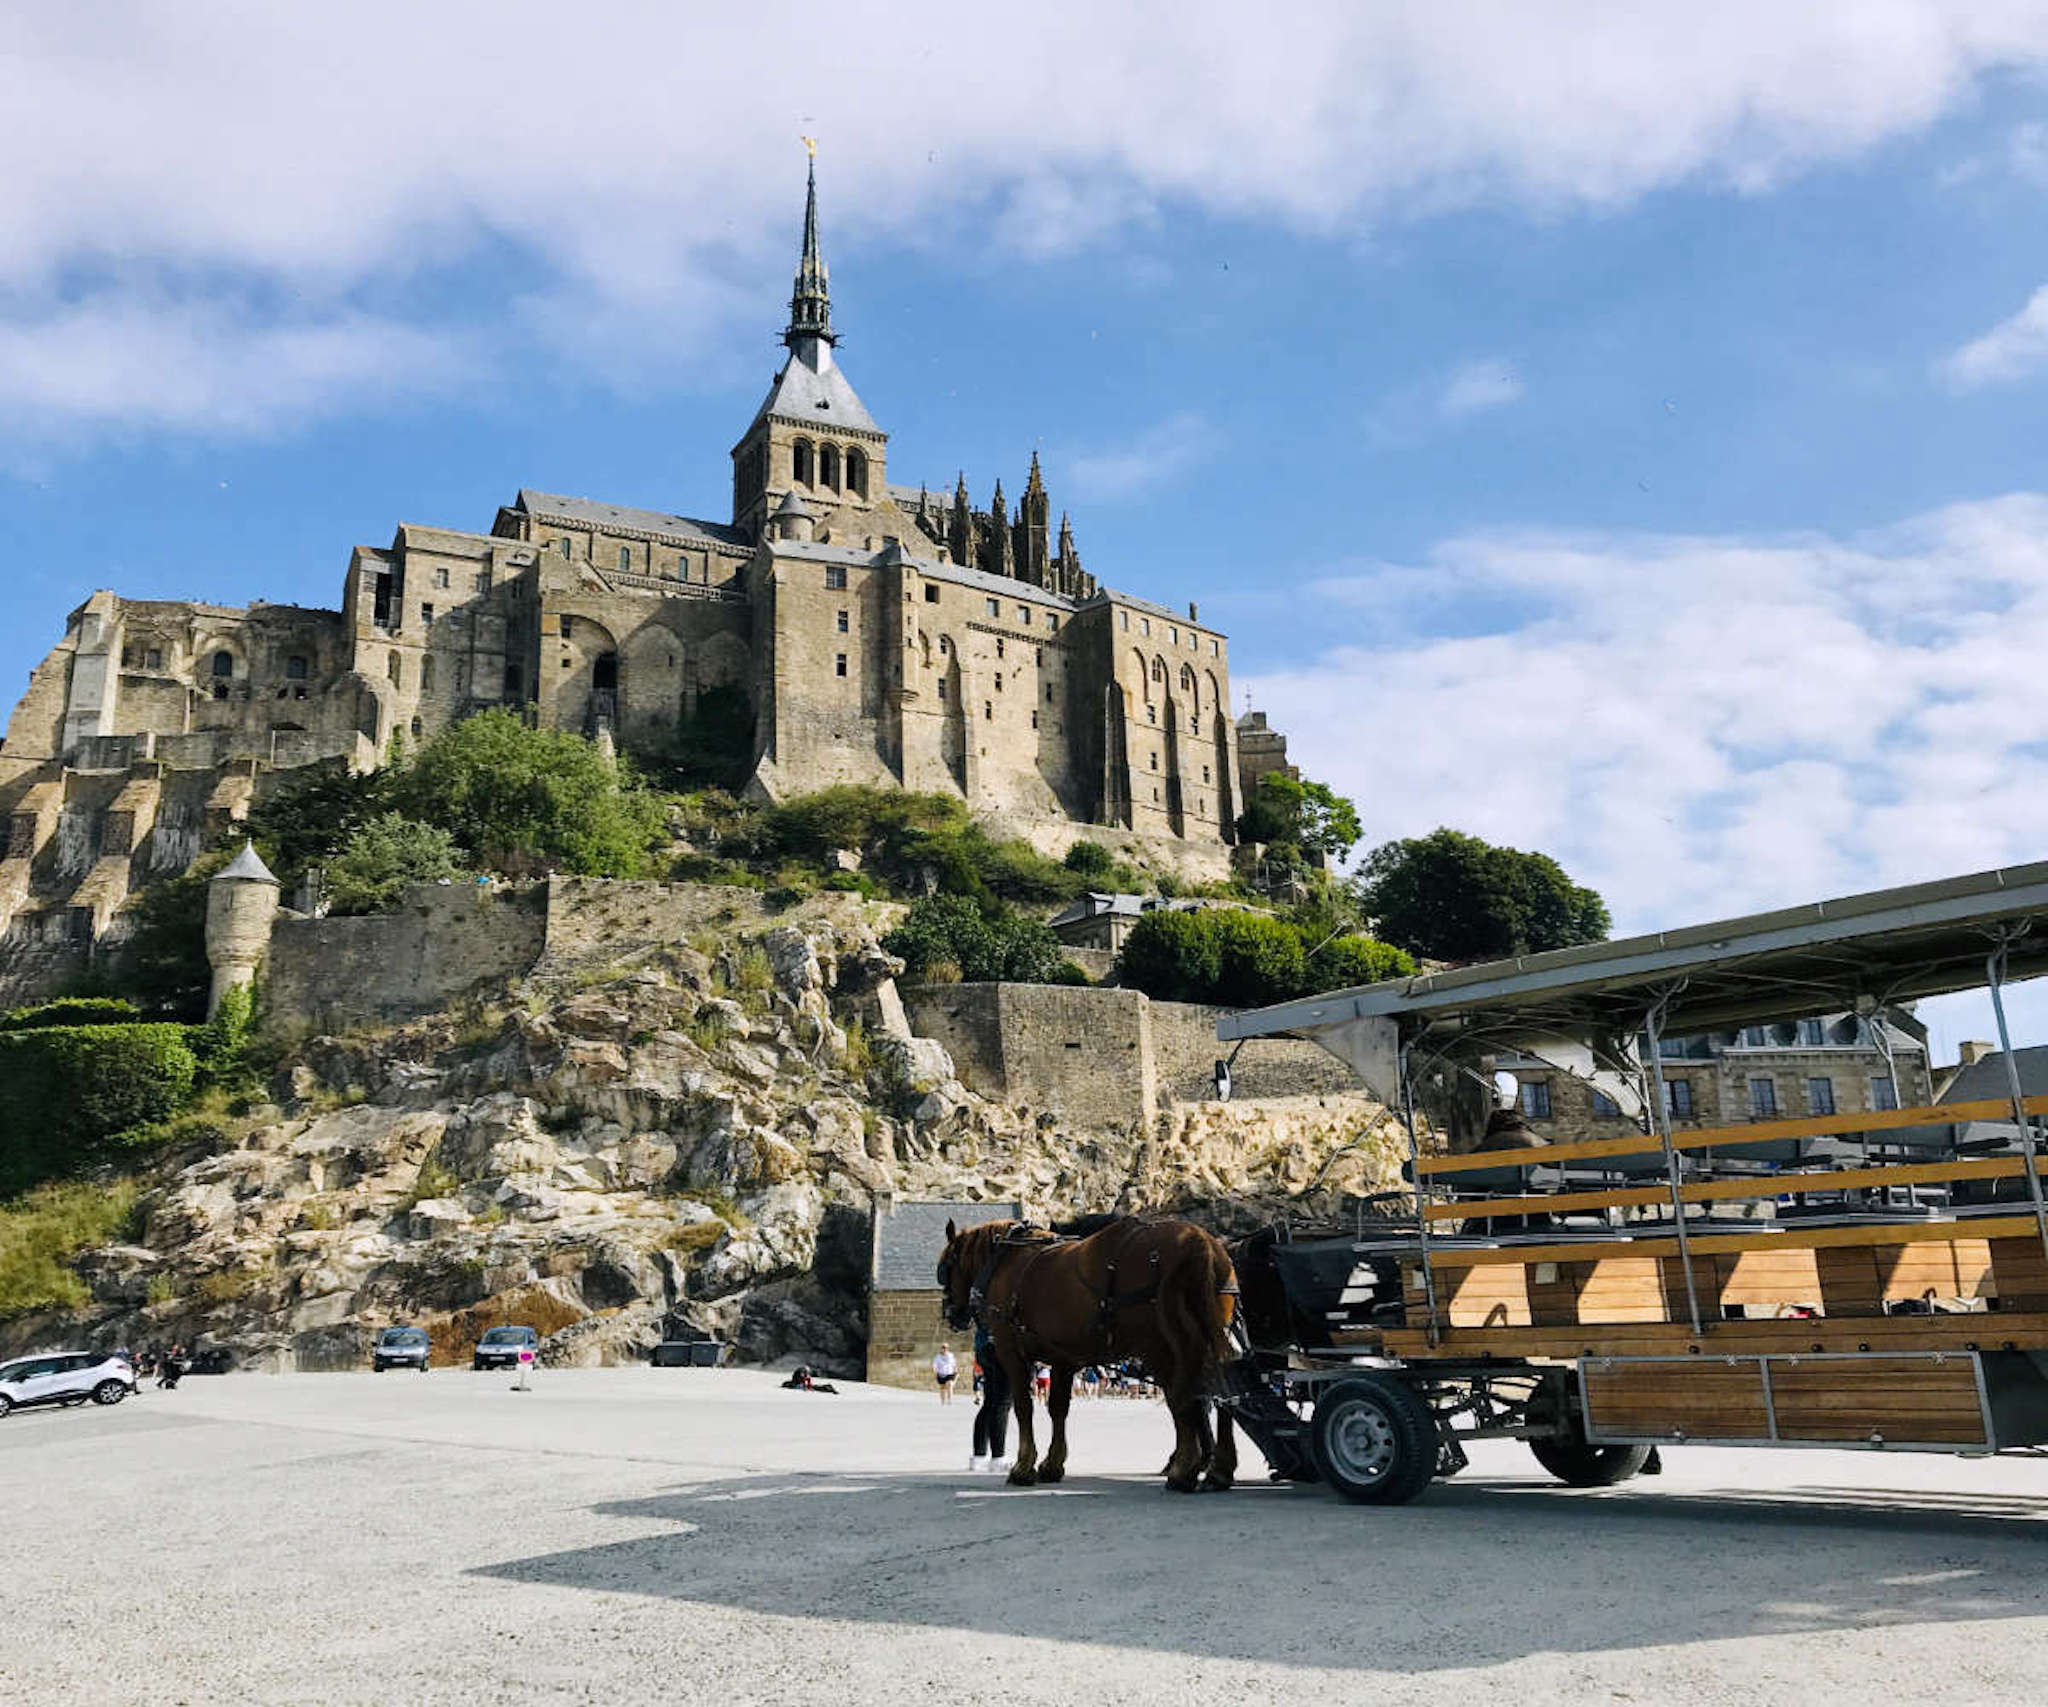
(1109, 1302)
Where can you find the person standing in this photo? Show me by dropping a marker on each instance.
(944, 1370)
(992, 1415)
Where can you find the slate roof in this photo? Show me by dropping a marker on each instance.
(590, 513)
(910, 1241)
(1984, 1081)
(820, 396)
(246, 867)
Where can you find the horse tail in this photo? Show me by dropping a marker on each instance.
(1198, 1309)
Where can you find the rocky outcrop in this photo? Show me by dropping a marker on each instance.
(690, 1145)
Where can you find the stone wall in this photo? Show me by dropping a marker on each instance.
(441, 943)
(905, 1331)
(1084, 1054)
(1185, 1052)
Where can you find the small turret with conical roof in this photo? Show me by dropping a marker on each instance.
(241, 906)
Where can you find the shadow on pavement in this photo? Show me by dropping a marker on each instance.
(1477, 1572)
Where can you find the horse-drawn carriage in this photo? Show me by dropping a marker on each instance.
(1873, 1279)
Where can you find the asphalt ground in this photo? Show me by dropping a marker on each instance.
(642, 1535)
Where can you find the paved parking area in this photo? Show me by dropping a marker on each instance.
(683, 1536)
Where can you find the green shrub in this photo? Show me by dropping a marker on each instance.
(72, 1010)
(1230, 957)
(42, 1232)
(1090, 859)
(164, 965)
(67, 1092)
(984, 942)
(382, 857)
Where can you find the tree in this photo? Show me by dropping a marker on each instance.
(309, 819)
(382, 857)
(1234, 958)
(981, 944)
(1310, 816)
(524, 800)
(1451, 896)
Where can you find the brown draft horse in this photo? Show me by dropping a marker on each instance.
(1160, 1291)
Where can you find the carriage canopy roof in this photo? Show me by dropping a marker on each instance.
(1890, 945)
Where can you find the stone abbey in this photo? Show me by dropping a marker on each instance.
(873, 632)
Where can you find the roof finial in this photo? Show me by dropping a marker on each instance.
(810, 303)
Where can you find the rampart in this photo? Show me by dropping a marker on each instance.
(1105, 1057)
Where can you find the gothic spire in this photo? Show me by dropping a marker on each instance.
(960, 529)
(810, 303)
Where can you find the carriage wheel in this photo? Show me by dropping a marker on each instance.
(1375, 1440)
(1576, 1461)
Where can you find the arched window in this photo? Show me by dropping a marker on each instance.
(857, 471)
(828, 466)
(223, 665)
(296, 669)
(515, 681)
(625, 557)
(800, 462)
(563, 542)
(945, 646)
(394, 667)
(427, 673)
(1159, 670)
(1187, 679)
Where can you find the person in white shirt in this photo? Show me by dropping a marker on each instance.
(944, 1369)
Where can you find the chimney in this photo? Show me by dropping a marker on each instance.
(1969, 1054)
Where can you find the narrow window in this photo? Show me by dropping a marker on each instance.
(1052, 621)
(988, 711)
(1034, 720)
(1763, 1098)
(1024, 615)
(844, 622)
(625, 557)
(1123, 620)
(839, 665)
(1678, 1098)
(568, 625)
(1205, 773)
(563, 542)
(483, 580)
(942, 690)
(828, 466)
(999, 681)
(1144, 625)
(427, 615)
(1151, 712)
(999, 647)
(1883, 1093)
(1174, 633)
(1536, 1099)
(427, 673)
(296, 669)
(835, 579)
(418, 728)
(931, 594)
(440, 577)
(1159, 670)
(129, 657)
(945, 646)
(857, 471)
(995, 606)
(223, 666)
(394, 667)
(1048, 693)
(800, 462)
(1820, 1096)
(1215, 648)
(1155, 761)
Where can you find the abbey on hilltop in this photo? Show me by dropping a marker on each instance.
(875, 632)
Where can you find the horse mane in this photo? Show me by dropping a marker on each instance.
(1085, 1226)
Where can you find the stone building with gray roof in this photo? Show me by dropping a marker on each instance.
(868, 632)
(905, 1322)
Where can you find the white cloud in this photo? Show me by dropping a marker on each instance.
(1479, 386)
(1161, 455)
(623, 178)
(2013, 349)
(1698, 727)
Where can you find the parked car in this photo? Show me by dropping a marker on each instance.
(400, 1348)
(65, 1378)
(500, 1348)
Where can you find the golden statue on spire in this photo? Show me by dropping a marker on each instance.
(811, 146)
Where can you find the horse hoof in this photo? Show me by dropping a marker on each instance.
(1216, 1485)
(1021, 1477)
(1175, 1485)
(1052, 1472)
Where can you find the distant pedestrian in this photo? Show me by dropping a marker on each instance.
(1042, 1379)
(171, 1369)
(944, 1370)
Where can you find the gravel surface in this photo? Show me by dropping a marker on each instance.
(685, 1535)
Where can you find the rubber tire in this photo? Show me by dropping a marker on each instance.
(1579, 1465)
(109, 1393)
(1393, 1410)
(6, 1404)
(376, 1368)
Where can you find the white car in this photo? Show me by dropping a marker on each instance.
(65, 1378)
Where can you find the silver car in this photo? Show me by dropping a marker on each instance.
(65, 1378)
(400, 1348)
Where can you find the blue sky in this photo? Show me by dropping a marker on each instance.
(1615, 435)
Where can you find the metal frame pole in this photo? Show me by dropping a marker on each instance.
(1653, 1031)
(1421, 1190)
(1994, 977)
